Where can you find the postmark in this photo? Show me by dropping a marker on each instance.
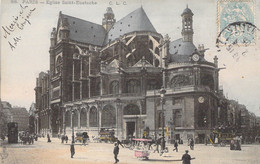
(236, 22)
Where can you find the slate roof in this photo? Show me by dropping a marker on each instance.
(135, 21)
(95, 34)
(187, 11)
(181, 51)
(85, 31)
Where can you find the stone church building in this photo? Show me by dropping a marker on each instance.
(124, 75)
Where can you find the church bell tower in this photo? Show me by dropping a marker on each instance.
(109, 19)
(187, 29)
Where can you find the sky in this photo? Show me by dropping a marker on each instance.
(21, 64)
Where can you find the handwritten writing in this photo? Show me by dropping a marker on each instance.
(18, 23)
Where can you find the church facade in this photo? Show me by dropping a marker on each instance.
(124, 75)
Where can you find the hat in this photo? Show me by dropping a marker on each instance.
(186, 151)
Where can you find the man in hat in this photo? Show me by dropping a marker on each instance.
(186, 158)
(116, 151)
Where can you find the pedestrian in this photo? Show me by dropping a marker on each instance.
(116, 152)
(191, 144)
(66, 139)
(48, 136)
(72, 150)
(119, 143)
(36, 137)
(176, 146)
(85, 138)
(186, 158)
(62, 138)
(157, 142)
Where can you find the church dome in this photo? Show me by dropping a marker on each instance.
(181, 51)
(109, 10)
(187, 11)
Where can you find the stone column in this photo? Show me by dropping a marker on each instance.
(81, 76)
(78, 118)
(88, 118)
(64, 119)
(73, 78)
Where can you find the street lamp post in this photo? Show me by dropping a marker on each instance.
(118, 102)
(162, 93)
(72, 112)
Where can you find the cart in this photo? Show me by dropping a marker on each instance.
(141, 148)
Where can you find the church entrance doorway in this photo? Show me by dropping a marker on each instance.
(130, 129)
(201, 138)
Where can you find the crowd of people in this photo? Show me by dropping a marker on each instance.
(26, 137)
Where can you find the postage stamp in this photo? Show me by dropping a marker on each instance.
(236, 22)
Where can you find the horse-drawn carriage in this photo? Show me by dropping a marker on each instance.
(81, 137)
(107, 135)
(221, 138)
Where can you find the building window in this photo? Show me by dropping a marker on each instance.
(133, 86)
(177, 115)
(98, 87)
(56, 93)
(152, 84)
(131, 109)
(156, 63)
(208, 81)
(179, 81)
(93, 117)
(108, 116)
(58, 64)
(114, 87)
(202, 118)
(67, 119)
(83, 118)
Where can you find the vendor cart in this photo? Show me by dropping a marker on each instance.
(141, 148)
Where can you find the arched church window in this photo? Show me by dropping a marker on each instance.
(157, 50)
(93, 117)
(83, 118)
(131, 109)
(108, 116)
(114, 87)
(133, 86)
(179, 81)
(58, 64)
(156, 63)
(67, 119)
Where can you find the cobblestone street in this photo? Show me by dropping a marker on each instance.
(100, 153)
